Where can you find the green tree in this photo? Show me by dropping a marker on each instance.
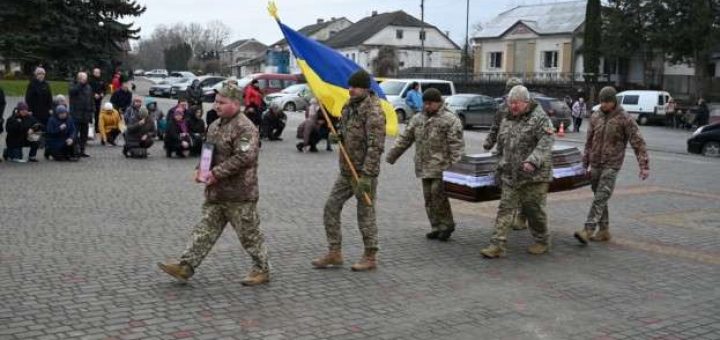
(178, 56)
(591, 44)
(66, 34)
(688, 31)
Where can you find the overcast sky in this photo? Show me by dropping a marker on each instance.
(249, 18)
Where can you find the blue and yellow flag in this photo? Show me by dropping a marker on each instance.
(327, 73)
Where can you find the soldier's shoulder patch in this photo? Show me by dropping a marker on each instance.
(245, 142)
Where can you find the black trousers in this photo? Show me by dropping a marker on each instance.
(97, 115)
(82, 136)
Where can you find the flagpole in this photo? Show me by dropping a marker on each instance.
(366, 197)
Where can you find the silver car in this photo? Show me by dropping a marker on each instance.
(292, 98)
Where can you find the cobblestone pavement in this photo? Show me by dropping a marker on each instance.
(80, 241)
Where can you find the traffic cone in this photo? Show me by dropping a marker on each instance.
(561, 131)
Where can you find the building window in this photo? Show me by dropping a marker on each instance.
(422, 35)
(495, 59)
(550, 59)
(399, 34)
(332, 33)
(353, 57)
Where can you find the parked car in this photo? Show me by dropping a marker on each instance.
(139, 72)
(644, 105)
(557, 110)
(268, 83)
(473, 109)
(293, 98)
(157, 73)
(162, 87)
(705, 140)
(178, 89)
(396, 90)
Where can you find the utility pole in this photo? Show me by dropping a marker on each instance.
(422, 36)
(467, 39)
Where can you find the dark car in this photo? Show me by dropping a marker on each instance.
(556, 109)
(473, 109)
(705, 140)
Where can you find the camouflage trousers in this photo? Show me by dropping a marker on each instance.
(340, 193)
(602, 182)
(243, 217)
(530, 199)
(437, 205)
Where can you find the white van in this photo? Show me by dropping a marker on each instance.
(396, 90)
(643, 105)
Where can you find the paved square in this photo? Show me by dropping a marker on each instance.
(80, 241)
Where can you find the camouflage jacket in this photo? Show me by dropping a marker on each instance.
(438, 142)
(492, 135)
(362, 129)
(607, 138)
(235, 160)
(526, 138)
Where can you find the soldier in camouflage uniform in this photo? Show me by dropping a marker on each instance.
(438, 137)
(611, 128)
(519, 221)
(362, 130)
(524, 171)
(231, 193)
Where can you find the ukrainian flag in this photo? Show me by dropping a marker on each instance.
(327, 73)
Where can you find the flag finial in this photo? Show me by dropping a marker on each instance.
(272, 10)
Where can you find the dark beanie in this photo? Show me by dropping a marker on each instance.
(607, 94)
(21, 106)
(360, 79)
(432, 95)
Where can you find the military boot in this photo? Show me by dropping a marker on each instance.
(433, 235)
(444, 235)
(493, 251)
(180, 271)
(368, 262)
(256, 277)
(331, 259)
(602, 235)
(583, 235)
(538, 248)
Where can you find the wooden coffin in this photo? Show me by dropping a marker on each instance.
(473, 178)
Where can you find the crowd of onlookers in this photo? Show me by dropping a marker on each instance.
(62, 126)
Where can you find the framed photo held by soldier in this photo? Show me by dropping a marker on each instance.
(206, 161)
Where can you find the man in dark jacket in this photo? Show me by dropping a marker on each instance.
(194, 93)
(98, 86)
(122, 98)
(703, 113)
(22, 131)
(82, 109)
(38, 97)
(273, 123)
(60, 133)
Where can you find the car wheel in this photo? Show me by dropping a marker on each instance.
(462, 121)
(290, 107)
(643, 120)
(711, 149)
(400, 116)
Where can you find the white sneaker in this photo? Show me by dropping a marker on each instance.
(18, 160)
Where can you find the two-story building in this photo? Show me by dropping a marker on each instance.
(362, 42)
(239, 51)
(534, 41)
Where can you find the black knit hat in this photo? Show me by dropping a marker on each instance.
(432, 95)
(360, 79)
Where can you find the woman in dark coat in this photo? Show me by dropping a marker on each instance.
(197, 130)
(139, 135)
(38, 97)
(20, 126)
(177, 137)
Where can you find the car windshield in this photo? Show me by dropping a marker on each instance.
(457, 100)
(294, 89)
(392, 88)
